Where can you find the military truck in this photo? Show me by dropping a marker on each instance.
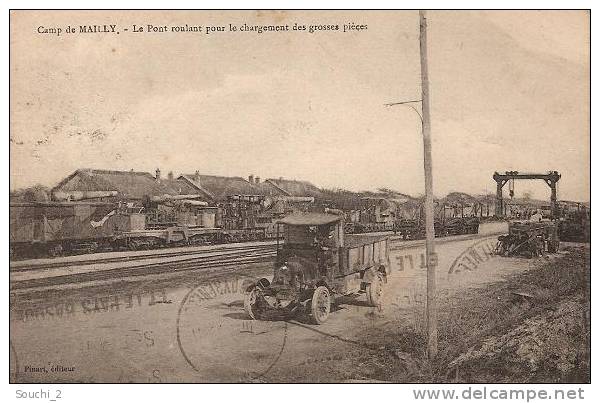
(317, 263)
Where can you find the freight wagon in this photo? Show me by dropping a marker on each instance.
(52, 228)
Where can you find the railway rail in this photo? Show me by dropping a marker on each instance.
(187, 264)
(22, 266)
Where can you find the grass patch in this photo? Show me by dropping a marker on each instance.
(533, 327)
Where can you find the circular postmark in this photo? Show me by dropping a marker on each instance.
(472, 257)
(219, 340)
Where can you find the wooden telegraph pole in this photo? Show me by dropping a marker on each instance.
(430, 256)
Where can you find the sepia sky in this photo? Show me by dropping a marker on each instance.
(509, 91)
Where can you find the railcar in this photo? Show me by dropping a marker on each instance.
(54, 228)
(414, 228)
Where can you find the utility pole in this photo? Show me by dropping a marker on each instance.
(430, 256)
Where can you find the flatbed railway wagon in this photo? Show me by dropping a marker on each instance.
(362, 228)
(415, 229)
(447, 222)
(461, 225)
(153, 228)
(139, 237)
(317, 263)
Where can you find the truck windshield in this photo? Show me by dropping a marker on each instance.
(310, 235)
(295, 234)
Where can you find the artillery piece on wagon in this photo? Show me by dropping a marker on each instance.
(316, 263)
(529, 239)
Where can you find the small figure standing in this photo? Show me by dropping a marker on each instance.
(536, 217)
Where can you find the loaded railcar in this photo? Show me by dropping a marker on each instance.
(39, 228)
(253, 217)
(574, 222)
(240, 215)
(187, 222)
(410, 222)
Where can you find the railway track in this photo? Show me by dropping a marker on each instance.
(182, 265)
(23, 266)
(20, 267)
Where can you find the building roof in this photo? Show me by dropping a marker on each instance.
(459, 198)
(219, 187)
(129, 184)
(309, 219)
(290, 187)
(392, 197)
(486, 198)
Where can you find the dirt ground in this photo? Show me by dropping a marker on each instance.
(193, 328)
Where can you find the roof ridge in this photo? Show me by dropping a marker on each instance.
(287, 180)
(306, 182)
(278, 187)
(114, 171)
(217, 176)
(190, 179)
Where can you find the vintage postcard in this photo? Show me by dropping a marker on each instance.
(300, 197)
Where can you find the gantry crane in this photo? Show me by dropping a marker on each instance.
(551, 178)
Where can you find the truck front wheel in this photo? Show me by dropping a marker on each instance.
(253, 303)
(320, 305)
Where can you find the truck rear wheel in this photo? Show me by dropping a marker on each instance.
(375, 291)
(320, 305)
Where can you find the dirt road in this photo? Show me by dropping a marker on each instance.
(194, 329)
